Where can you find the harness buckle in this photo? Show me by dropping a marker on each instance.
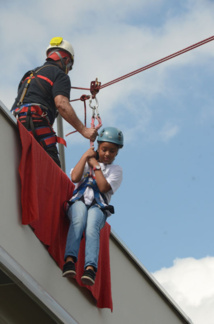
(44, 114)
(15, 114)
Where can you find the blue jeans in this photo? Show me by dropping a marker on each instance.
(91, 220)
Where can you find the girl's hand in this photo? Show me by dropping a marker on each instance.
(90, 153)
(92, 162)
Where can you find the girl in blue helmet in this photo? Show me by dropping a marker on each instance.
(97, 179)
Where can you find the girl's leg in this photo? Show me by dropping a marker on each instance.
(77, 215)
(95, 222)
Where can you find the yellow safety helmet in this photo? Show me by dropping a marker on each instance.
(60, 44)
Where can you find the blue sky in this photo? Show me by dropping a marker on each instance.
(164, 208)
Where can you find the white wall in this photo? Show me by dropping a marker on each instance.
(137, 298)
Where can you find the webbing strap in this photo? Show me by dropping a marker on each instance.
(89, 182)
(34, 109)
(41, 77)
(43, 131)
(23, 114)
(54, 139)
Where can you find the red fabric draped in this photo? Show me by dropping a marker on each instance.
(44, 189)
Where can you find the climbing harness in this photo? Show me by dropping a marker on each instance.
(34, 116)
(90, 182)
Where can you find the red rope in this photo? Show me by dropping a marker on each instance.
(80, 88)
(146, 67)
(82, 98)
(159, 61)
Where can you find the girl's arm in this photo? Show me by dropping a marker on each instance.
(79, 167)
(101, 181)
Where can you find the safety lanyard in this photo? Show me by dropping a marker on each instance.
(25, 90)
(95, 115)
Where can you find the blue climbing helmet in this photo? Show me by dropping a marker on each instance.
(112, 135)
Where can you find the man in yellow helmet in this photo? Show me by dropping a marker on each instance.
(44, 92)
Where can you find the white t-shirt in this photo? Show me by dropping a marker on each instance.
(112, 173)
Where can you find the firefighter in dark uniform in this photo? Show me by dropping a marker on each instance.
(44, 92)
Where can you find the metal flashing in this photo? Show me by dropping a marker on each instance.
(24, 280)
(7, 113)
(162, 292)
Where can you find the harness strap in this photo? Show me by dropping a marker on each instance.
(29, 121)
(31, 113)
(90, 182)
(34, 109)
(52, 140)
(42, 131)
(28, 77)
(41, 77)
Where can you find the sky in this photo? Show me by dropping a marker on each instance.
(164, 207)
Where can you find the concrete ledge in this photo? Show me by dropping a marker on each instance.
(136, 294)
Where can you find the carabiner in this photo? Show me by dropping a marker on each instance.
(95, 114)
(96, 106)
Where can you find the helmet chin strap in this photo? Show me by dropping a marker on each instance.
(65, 67)
(69, 65)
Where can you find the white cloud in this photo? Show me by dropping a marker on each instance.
(190, 283)
(168, 132)
(108, 43)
